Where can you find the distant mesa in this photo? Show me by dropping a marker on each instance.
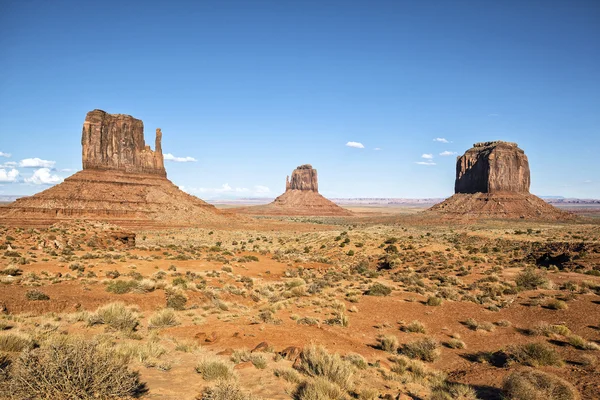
(303, 178)
(123, 182)
(492, 180)
(301, 197)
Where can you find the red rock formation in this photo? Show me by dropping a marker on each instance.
(492, 181)
(303, 178)
(122, 182)
(490, 167)
(301, 197)
(116, 142)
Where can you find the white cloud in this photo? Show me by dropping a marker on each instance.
(427, 156)
(447, 153)
(440, 139)
(171, 157)
(66, 170)
(425, 163)
(36, 163)
(8, 176)
(356, 145)
(3, 154)
(376, 149)
(43, 176)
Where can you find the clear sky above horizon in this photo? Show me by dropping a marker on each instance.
(379, 96)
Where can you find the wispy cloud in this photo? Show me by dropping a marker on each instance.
(427, 156)
(171, 157)
(425, 163)
(3, 154)
(447, 153)
(441, 139)
(356, 145)
(9, 175)
(36, 163)
(43, 176)
(377, 149)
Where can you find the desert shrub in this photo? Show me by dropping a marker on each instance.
(357, 360)
(434, 301)
(531, 279)
(535, 355)
(530, 384)
(426, 349)
(225, 390)
(388, 343)
(317, 389)
(287, 374)
(556, 304)
(176, 300)
(36, 295)
(72, 369)
(163, 318)
(455, 344)
(213, 368)
(116, 316)
(315, 361)
(11, 270)
(121, 287)
(15, 341)
(378, 289)
(452, 391)
(477, 326)
(414, 327)
(308, 321)
(545, 329)
(258, 360)
(582, 344)
(145, 353)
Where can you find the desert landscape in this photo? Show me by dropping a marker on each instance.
(304, 200)
(116, 284)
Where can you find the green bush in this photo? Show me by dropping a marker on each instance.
(426, 349)
(121, 287)
(213, 368)
(36, 295)
(535, 355)
(378, 289)
(115, 315)
(531, 279)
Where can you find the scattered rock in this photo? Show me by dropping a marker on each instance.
(261, 347)
(291, 353)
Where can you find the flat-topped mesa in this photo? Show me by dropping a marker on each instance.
(303, 178)
(116, 142)
(490, 167)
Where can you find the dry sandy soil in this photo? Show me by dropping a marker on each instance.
(414, 308)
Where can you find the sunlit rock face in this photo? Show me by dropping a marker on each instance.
(491, 167)
(116, 142)
(303, 178)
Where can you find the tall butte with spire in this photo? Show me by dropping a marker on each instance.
(301, 197)
(123, 181)
(492, 180)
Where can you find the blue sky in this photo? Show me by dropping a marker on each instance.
(251, 89)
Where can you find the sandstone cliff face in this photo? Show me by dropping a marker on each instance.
(116, 142)
(491, 167)
(303, 178)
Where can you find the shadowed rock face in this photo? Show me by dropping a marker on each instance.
(116, 142)
(491, 167)
(303, 178)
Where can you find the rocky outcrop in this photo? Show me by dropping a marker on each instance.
(123, 182)
(301, 197)
(491, 167)
(303, 178)
(492, 181)
(116, 142)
